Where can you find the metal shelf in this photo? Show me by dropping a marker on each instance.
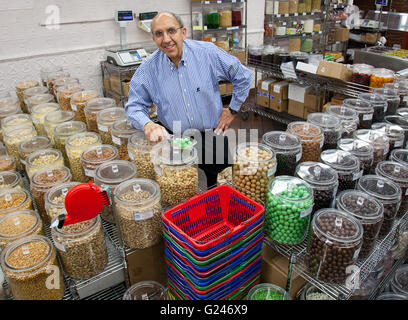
(296, 35)
(222, 29)
(281, 117)
(288, 15)
(218, 1)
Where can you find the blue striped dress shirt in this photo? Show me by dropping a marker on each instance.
(190, 93)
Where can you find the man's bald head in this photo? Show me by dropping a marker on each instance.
(169, 14)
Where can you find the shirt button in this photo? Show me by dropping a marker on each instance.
(188, 104)
(185, 90)
(192, 119)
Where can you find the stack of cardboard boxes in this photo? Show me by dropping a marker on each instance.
(273, 94)
(304, 100)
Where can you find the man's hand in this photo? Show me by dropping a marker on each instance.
(224, 121)
(155, 132)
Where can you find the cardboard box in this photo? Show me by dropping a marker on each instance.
(229, 87)
(295, 44)
(280, 90)
(296, 108)
(264, 87)
(310, 101)
(126, 87)
(342, 34)
(240, 55)
(106, 83)
(115, 84)
(274, 269)
(223, 88)
(307, 111)
(279, 105)
(371, 37)
(297, 92)
(334, 70)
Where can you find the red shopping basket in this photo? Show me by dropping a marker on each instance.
(210, 218)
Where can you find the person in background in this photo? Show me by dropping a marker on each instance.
(181, 78)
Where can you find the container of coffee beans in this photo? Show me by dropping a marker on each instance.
(391, 97)
(348, 118)
(364, 151)
(387, 193)
(398, 173)
(311, 137)
(323, 180)
(378, 140)
(378, 102)
(368, 210)
(402, 91)
(364, 109)
(399, 283)
(288, 150)
(346, 165)
(336, 239)
(394, 133)
(288, 209)
(401, 121)
(330, 125)
(400, 156)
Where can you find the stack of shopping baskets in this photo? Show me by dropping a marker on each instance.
(213, 245)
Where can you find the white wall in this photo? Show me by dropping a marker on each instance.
(78, 43)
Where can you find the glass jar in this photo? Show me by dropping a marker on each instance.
(322, 179)
(29, 93)
(30, 145)
(78, 102)
(60, 82)
(225, 20)
(11, 180)
(336, 239)
(22, 87)
(364, 109)
(146, 290)
(63, 131)
(236, 17)
(43, 180)
(55, 118)
(254, 167)
(18, 225)
(47, 71)
(13, 137)
(287, 148)
(64, 94)
(122, 130)
(349, 119)
(312, 139)
(330, 125)
(387, 193)
(401, 121)
(82, 248)
(105, 119)
(399, 283)
(267, 291)
(39, 99)
(364, 151)
(176, 172)
(368, 210)
(54, 76)
(362, 74)
(394, 133)
(138, 212)
(402, 91)
(7, 163)
(15, 120)
(288, 209)
(43, 158)
(26, 263)
(55, 200)
(346, 165)
(255, 55)
(12, 200)
(92, 107)
(391, 97)
(397, 173)
(74, 146)
(139, 149)
(380, 76)
(38, 114)
(379, 104)
(212, 20)
(93, 157)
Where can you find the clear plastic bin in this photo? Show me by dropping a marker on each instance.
(43, 158)
(12, 200)
(94, 156)
(267, 291)
(30, 145)
(13, 137)
(401, 121)
(29, 93)
(362, 74)
(402, 91)
(146, 290)
(92, 107)
(11, 180)
(22, 87)
(331, 127)
(64, 94)
(53, 77)
(61, 82)
(122, 130)
(47, 71)
(348, 118)
(55, 118)
(7, 163)
(400, 156)
(364, 151)
(39, 99)
(255, 55)
(38, 114)
(380, 76)
(379, 104)
(105, 120)
(391, 296)
(63, 131)
(364, 109)
(399, 283)
(14, 120)
(9, 101)
(392, 98)
(78, 102)
(394, 133)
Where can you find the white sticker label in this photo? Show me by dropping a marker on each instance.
(131, 157)
(398, 143)
(89, 173)
(298, 156)
(116, 140)
(357, 175)
(367, 116)
(305, 213)
(271, 171)
(355, 255)
(60, 246)
(158, 170)
(74, 107)
(103, 128)
(143, 215)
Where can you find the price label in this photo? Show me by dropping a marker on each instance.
(304, 13)
(233, 1)
(296, 14)
(278, 15)
(298, 156)
(286, 14)
(131, 156)
(116, 140)
(284, 23)
(367, 116)
(143, 215)
(103, 128)
(89, 173)
(305, 213)
(357, 175)
(60, 246)
(398, 143)
(271, 172)
(74, 107)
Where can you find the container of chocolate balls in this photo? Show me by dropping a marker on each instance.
(378, 102)
(402, 91)
(401, 121)
(335, 243)
(346, 165)
(364, 109)
(348, 117)
(387, 193)
(392, 98)
(364, 151)
(394, 133)
(323, 180)
(288, 150)
(398, 173)
(368, 210)
(331, 127)
(311, 137)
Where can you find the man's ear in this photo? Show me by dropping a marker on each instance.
(184, 31)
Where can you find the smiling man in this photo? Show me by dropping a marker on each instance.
(181, 79)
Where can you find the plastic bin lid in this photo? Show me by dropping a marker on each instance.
(339, 159)
(150, 192)
(35, 143)
(83, 96)
(123, 127)
(380, 187)
(397, 119)
(9, 178)
(49, 174)
(146, 290)
(111, 114)
(59, 190)
(282, 187)
(377, 138)
(16, 119)
(400, 155)
(304, 129)
(40, 98)
(8, 101)
(97, 104)
(27, 84)
(382, 72)
(401, 279)
(391, 296)
(402, 112)
(358, 104)
(360, 205)
(59, 116)
(342, 112)
(375, 99)
(97, 153)
(45, 108)
(389, 94)
(281, 140)
(17, 228)
(69, 127)
(324, 120)
(247, 149)
(43, 153)
(139, 140)
(9, 110)
(317, 173)
(356, 146)
(391, 130)
(267, 291)
(115, 172)
(392, 170)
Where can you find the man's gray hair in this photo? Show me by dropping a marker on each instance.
(175, 16)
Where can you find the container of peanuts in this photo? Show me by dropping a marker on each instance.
(12, 200)
(55, 118)
(43, 158)
(64, 94)
(139, 149)
(254, 167)
(60, 82)
(38, 114)
(138, 212)
(29, 93)
(105, 119)
(9, 101)
(11, 180)
(7, 163)
(122, 130)
(380, 76)
(82, 248)
(47, 71)
(108, 176)
(94, 156)
(63, 131)
(92, 107)
(53, 77)
(18, 225)
(312, 139)
(30, 145)
(27, 264)
(78, 102)
(12, 116)
(39, 99)
(21, 87)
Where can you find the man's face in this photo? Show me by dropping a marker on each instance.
(170, 44)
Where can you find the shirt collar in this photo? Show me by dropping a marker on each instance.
(184, 56)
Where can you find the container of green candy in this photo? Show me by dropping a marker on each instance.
(267, 291)
(288, 208)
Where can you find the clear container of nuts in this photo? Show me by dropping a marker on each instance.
(74, 146)
(14, 120)
(55, 118)
(30, 145)
(3, 149)
(138, 212)
(11, 180)
(400, 156)
(64, 94)
(43, 158)
(22, 87)
(364, 109)
(78, 102)
(368, 210)
(63, 131)
(7, 163)
(12, 200)
(322, 179)
(47, 71)
(401, 121)
(254, 167)
(92, 107)
(122, 130)
(19, 224)
(348, 117)
(54, 76)
(39, 99)
(364, 151)
(43, 180)
(387, 193)
(38, 114)
(94, 156)
(146, 290)
(27, 264)
(139, 148)
(399, 283)
(336, 239)
(392, 98)
(105, 119)
(402, 91)
(6, 112)
(330, 125)
(379, 104)
(394, 133)
(288, 150)
(61, 82)
(29, 93)
(82, 248)
(55, 200)
(312, 139)
(176, 172)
